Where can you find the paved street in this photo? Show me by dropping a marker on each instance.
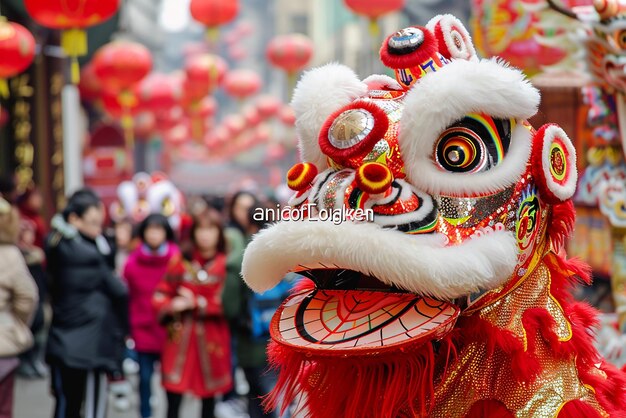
(33, 400)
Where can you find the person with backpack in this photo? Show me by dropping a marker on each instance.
(196, 357)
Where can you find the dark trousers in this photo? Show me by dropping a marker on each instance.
(6, 395)
(146, 370)
(175, 399)
(261, 382)
(75, 388)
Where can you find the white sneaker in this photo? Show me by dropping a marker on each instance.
(233, 408)
(241, 384)
(130, 366)
(121, 403)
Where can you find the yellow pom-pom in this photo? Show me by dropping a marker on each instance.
(374, 178)
(300, 176)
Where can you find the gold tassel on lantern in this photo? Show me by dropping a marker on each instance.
(4, 88)
(74, 43)
(212, 34)
(128, 100)
(374, 29)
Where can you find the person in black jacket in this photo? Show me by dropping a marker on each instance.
(89, 306)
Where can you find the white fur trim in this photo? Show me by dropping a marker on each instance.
(128, 195)
(453, 28)
(382, 82)
(142, 181)
(319, 93)
(444, 97)
(567, 190)
(419, 264)
(161, 191)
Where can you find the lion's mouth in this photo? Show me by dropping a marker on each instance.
(373, 288)
(346, 279)
(349, 310)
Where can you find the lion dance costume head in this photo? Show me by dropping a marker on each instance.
(453, 300)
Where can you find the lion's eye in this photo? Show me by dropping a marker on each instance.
(474, 144)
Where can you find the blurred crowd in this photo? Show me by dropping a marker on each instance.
(85, 303)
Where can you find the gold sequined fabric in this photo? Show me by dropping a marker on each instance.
(476, 375)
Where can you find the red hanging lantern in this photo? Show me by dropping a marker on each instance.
(287, 116)
(274, 152)
(242, 83)
(116, 108)
(159, 92)
(179, 134)
(4, 117)
(290, 52)
(373, 9)
(214, 13)
(268, 106)
(168, 119)
(235, 124)
(17, 49)
(217, 137)
(252, 116)
(237, 52)
(200, 113)
(72, 16)
(90, 87)
(145, 125)
(205, 72)
(120, 66)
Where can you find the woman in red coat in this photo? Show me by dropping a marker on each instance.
(196, 358)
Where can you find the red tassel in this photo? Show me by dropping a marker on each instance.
(561, 223)
(303, 285)
(489, 408)
(578, 409)
(524, 364)
(373, 386)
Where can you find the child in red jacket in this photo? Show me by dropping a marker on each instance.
(197, 357)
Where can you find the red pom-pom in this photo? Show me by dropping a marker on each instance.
(554, 164)
(373, 178)
(300, 176)
(360, 123)
(428, 49)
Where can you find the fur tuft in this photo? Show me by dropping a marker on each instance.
(561, 225)
(454, 39)
(452, 271)
(320, 92)
(381, 82)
